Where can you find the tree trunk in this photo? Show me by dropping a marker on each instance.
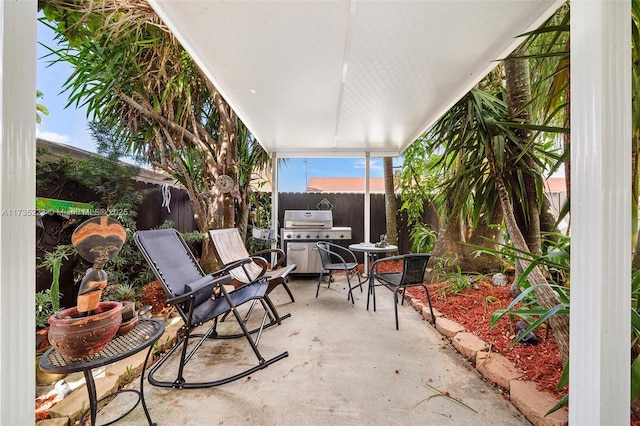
(526, 211)
(390, 207)
(547, 298)
(446, 251)
(547, 218)
(243, 216)
(484, 235)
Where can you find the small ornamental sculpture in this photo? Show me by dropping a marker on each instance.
(384, 241)
(98, 240)
(87, 328)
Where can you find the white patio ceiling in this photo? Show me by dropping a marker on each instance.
(341, 78)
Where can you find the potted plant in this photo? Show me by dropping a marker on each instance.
(47, 304)
(126, 293)
(87, 328)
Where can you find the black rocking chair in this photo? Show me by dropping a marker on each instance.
(412, 275)
(200, 298)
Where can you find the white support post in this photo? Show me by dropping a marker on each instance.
(17, 202)
(274, 204)
(599, 377)
(367, 205)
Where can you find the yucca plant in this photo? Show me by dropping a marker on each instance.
(422, 237)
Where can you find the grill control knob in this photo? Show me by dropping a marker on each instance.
(326, 236)
(298, 236)
(308, 236)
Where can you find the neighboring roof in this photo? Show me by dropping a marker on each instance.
(356, 184)
(556, 184)
(56, 151)
(343, 184)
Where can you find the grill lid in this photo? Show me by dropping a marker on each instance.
(308, 219)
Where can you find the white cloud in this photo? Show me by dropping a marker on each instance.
(52, 137)
(376, 164)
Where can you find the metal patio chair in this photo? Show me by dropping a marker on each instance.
(337, 258)
(199, 299)
(412, 275)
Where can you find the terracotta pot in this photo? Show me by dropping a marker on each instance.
(77, 337)
(127, 326)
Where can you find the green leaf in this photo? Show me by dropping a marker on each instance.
(562, 403)
(635, 378)
(55, 284)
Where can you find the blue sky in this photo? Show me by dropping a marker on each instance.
(69, 126)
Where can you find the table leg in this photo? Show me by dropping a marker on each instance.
(144, 404)
(369, 258)
(366, 263)
(93, 399)
(373, 257)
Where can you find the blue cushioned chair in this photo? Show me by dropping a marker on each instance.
(201, 298)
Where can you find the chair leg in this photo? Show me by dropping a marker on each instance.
(371, 291)
(271, 307)
(271, 311)
(360, 280)
(395, 305)
(319, 281)
(433, 317)
(288, 290)
(329, 274)
(181, 383)
(350, 293)
(280, 281)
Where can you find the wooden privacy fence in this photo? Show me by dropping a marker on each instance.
(348, 210)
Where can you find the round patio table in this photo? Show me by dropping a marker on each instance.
(142, 336)
(371, 252)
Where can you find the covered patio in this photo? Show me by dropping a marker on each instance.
(346, 366)
(350, 117)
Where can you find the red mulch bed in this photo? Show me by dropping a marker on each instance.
(153, 295)
(473, 307)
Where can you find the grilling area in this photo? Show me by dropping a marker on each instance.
(302, 229)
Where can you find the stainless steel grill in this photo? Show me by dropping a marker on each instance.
(302, 229)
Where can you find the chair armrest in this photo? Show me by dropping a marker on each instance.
(205, 284)
(241, 264)
(280, 256)
(262, 263)
(233, 265)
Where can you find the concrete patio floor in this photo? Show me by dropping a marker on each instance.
(346, 366)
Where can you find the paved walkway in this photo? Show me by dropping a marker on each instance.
(346, 366)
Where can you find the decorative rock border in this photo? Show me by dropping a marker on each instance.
(532, 403)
